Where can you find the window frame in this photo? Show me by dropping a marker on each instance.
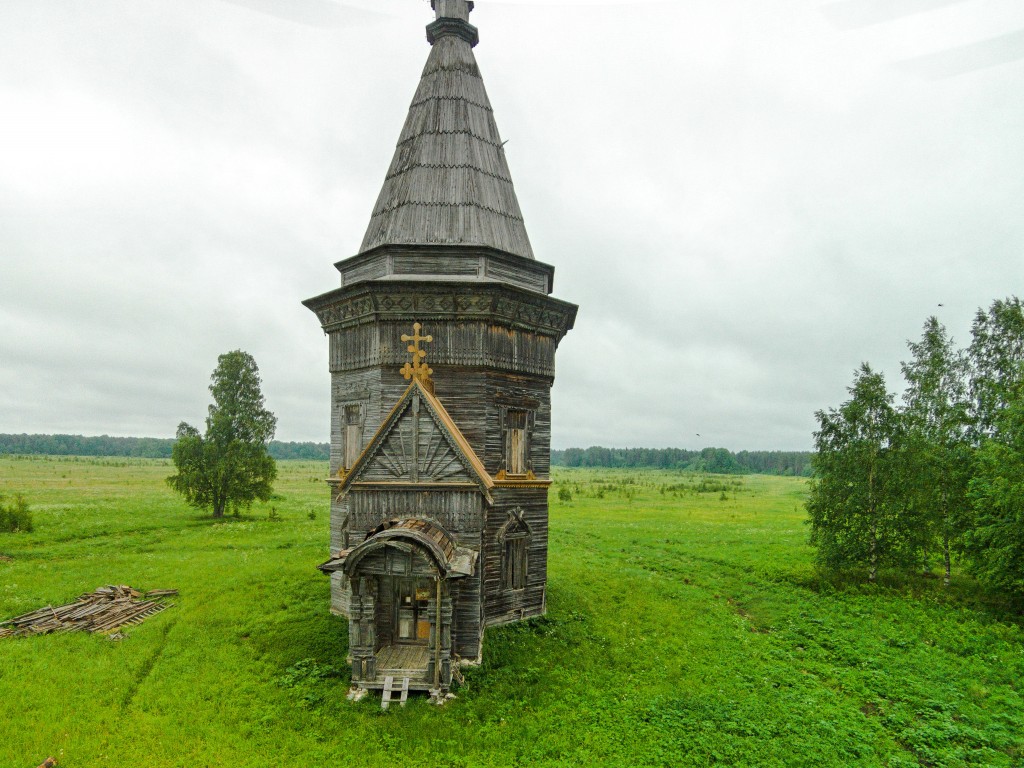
(517, 441)
(351, 431)
(515, 538)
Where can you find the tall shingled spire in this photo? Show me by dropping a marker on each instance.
(449, 183)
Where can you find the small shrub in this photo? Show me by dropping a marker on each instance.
(274, 517)
(564, 494)
(306, 680)
(311, 514)
(16, 516)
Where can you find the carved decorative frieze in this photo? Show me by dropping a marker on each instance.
(372, 303)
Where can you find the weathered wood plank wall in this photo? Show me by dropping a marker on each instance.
(502, 605)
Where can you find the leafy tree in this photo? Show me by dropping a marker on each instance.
(15, 516)
(996, 541)
(996, 354)
(718, 461)
(229, 466)
(852, 506)
(935, 454)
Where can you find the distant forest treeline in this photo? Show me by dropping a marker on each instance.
(139, 447)
(716, 460)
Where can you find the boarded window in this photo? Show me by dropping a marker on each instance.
(353, 434)
(516, 446)
(514, 562)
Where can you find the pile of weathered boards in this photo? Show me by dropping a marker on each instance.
(108, 610)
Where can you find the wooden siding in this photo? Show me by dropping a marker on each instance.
(365, 270)
(455, 343)
(496, 270)
(468, 632)
(502, 604)
(446, 262)
(341, 594)
(365, 370)
(460, 513)
(475, 398)
(430, 264)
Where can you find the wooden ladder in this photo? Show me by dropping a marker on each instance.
(391, 687)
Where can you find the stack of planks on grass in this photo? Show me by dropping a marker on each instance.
(108, 609)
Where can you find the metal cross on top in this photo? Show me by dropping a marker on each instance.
(418, 368)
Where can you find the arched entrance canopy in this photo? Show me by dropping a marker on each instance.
(451, 560)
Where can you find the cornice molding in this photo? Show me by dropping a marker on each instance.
(505, 305)
(455, 27)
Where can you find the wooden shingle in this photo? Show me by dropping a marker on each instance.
(449, 182)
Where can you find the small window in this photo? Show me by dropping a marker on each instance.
(516, 445)
(353, 434)
(514, 557)
(515, 563)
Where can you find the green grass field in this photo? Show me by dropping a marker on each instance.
(686, 627)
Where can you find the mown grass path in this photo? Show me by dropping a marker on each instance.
(686, 627)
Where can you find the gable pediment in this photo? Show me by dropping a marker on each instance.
(418, 443)
(415, 450)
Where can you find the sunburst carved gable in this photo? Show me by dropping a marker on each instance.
(415, 449)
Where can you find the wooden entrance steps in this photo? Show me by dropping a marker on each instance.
(391, 687)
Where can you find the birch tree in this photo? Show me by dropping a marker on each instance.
(228, 467)
(996, 355)
(852, 506)
(935, 454)
(995, 542)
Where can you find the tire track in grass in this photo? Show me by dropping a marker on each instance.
(147, 667)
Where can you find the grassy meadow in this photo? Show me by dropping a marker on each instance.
(687, 626)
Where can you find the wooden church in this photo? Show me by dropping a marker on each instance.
(442, 356)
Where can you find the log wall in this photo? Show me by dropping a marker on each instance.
(501, 604)
(492, 352)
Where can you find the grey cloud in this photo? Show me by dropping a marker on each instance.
(745, 201)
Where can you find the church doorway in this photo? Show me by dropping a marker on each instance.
(411, 611)
(407, 632)
(402, 596)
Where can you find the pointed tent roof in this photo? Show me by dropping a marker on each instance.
(449, 183)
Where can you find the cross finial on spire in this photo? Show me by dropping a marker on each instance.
(418, 368)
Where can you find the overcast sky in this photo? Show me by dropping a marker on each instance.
(746, 198)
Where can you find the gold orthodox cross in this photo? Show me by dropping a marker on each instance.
(418, 368)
